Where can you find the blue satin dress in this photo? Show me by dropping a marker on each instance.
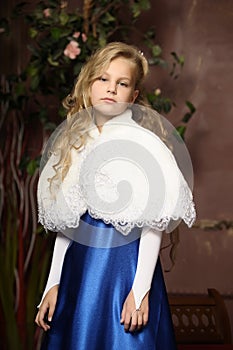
(94, 285)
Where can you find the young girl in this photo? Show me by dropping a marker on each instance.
(105, 289)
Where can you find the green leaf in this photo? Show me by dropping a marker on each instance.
(62, 77)
(189, 115)
(33, 33)
(40, 229)
(156, 50)
(102, 40)
(190, 106)
(139, 6)
(57, 54)
(181, 130)
(34, 51)
(167, 105)
(20, 89)
(157, 62)
(65, 33)
(108, 18)
(56, 33)
(50, 126)
(32, 166)
(77, 68)
(32, 70)
(181, 58)
(51, 62)
(35, 80)
(178, 59)
(64, 18)
(53, 3)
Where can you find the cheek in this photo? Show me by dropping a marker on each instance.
(131, 97)
(93, 91)
(126, 96)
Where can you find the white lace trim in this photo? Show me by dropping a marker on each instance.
(58, 218)
(73, 200)
(123, 226)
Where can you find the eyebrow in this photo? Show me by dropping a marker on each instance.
(126, 78)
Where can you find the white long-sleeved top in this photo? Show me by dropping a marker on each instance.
(149, 247)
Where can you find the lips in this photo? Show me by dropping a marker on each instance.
(108, 100)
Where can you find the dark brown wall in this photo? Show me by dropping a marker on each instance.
(202, 32)
(13, 51)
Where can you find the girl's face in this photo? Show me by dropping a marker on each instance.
(115, 85)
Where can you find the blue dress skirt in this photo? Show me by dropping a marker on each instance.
(93, 287)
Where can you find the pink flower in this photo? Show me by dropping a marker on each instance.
(72, 50)
(76, 35)
(46, 12)
(84, 37)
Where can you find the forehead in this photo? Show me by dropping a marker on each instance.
(120, 66)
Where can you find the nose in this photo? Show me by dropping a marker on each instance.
(112, 87)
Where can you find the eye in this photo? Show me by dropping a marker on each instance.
(102, 79)
(122, 83)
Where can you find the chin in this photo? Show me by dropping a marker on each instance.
(111, 109)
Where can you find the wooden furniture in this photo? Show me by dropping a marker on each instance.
(205, 347)
(200, 319)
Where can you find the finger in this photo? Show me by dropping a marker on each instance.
(140, 321)
(51, 312)
(41, 317)
(123, 314)
(134, 322)
(127, 321)
(36, 319)
(145, 318)
(42, 323)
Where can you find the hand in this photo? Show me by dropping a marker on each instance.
(133, 319)
(47, 306)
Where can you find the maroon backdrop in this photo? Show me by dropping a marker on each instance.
(202, 32)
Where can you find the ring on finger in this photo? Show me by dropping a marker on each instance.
(136, 310)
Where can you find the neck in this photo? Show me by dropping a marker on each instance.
(100, 119)
(99, 127)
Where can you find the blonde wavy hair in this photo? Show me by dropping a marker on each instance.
(79, 118)
(78, 101)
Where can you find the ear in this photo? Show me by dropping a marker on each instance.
(135, 95)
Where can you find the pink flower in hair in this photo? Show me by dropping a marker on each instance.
(72, 50)
(46, 12)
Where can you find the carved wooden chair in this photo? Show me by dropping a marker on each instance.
(200, 319)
